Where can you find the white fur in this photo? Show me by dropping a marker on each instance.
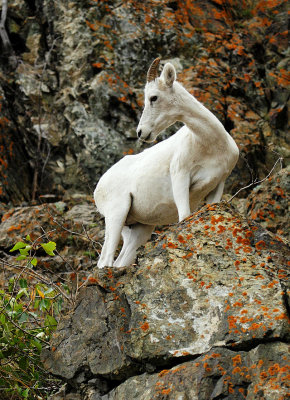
(165, 183)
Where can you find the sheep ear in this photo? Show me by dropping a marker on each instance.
(168, 74)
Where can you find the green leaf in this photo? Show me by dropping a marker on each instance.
(36, 304)
(33, 262)
(48, 291)
(22, 345)
(25, 251)
(22, 292)
(12, 302)
(33, 313)
(23, 283)
(49, 247)
(28, 238)
(2, 319)
(23, 318)
(50, 321)
(37, 344)
(21, 257)
(25, 393)
(44, 304)
(18, 245)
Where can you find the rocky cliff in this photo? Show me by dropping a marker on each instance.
(204, 313)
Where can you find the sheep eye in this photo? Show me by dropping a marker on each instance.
(153, 98)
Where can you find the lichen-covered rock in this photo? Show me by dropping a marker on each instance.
(268, 204)
(47, 221)
(260, 372)
(214, 281)
(75, 227)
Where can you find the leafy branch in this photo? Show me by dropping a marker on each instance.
(29, 309)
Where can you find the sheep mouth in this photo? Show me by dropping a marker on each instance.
(147, 139)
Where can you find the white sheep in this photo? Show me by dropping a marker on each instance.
(165, 183)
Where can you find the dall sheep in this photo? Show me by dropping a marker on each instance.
(165, 183)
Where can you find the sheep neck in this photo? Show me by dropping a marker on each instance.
(197, 117)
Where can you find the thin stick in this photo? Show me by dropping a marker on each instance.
(4, 36)
(255, 182)
(3, 33)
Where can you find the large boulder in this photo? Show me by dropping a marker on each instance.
(203, 314)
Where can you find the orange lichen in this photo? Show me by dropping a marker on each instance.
(181, 239)
(188, 255)
(260, 245)
(166, 391)
(237, 360)
(7, 215)
(145, 326)
(221, 229)
(255, 326)
(14, 228)
(164, 372)
(238, 304)
(232, 321)
(92, 280)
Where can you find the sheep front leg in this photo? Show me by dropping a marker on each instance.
(180, 186)
(112, 238)
(215, 195)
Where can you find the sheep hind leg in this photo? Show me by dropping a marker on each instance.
(134, 236)
(215, 195)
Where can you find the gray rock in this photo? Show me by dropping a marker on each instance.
(212, 283)
(220, 373)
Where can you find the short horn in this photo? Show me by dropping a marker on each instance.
(152, 71)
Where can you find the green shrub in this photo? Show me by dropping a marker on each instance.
(29, 310)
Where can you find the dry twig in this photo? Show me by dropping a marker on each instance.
(257, 182)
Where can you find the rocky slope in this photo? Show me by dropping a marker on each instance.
(203, 314)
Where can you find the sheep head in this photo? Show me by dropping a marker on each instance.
(160, 102)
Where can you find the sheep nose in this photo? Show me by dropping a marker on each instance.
(139, 133)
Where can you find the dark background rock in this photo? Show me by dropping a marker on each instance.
(70, 107)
